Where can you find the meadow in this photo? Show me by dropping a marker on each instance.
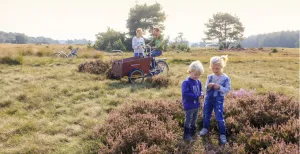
(47, 106)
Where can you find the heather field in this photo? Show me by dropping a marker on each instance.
(48, 106)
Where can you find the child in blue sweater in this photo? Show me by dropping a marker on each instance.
(191, 94)
(217, 85)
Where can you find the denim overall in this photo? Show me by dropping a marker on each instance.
(214, 103)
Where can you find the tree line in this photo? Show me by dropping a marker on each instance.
(288, 39)
(20, 38)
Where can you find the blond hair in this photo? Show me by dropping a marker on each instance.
(222, 60)
(196, 66)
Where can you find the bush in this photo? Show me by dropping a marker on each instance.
(182, 47)
(221, 46)
(94, 67)
(70, 47)
(143, 127)
(240, 93)
(12, 60)
(108, 47)
(256, 123)
(281, 148)
(239, 46)
(159, 81)
(89, 45)
(274, 50)
(261, 110)
(118, 45)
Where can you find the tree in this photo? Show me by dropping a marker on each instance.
(89, 45)
(180, 43)
(118, 45)
(225, 28)
(145, 16)
(21, 39)
(106, 40)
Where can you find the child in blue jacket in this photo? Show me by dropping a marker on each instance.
(217, 85)
(191, 94)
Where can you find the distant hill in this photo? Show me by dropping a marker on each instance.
(20, 38)
(288, 39)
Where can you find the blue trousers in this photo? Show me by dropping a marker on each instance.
(191, 117)
(138, 54)
(216, 104)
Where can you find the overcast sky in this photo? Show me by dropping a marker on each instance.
(70, 19)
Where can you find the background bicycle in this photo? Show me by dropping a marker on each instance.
(62, 54)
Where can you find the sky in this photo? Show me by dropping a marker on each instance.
(77, 19)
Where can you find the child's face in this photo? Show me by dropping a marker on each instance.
(216, 68)
(195, 75)
(140, 33)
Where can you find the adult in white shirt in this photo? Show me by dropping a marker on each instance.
(138, 42)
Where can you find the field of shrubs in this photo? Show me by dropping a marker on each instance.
(256, 123)
(71, 105)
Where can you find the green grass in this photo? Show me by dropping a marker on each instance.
(46, 106)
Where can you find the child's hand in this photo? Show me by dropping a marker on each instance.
(210, 85)
(216, 86)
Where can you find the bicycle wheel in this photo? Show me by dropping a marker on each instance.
(136, 76)
(162, 68)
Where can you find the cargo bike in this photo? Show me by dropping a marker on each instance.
(139, 68)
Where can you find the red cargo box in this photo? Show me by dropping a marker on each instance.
(121, 68)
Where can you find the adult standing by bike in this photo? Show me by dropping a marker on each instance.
(138, 43)
(156, 44)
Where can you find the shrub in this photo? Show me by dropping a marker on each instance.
(240, 93)
(118, 45)
(281, 147)
(221, 46)
(89, 45)
(289, 132)
(261, 110)
(274, 50)
(239, 46)
(254, 139)
(159, 81)
(12, 60)
(143, 127)
(108, 47)
(256, 123)
(94, 67)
